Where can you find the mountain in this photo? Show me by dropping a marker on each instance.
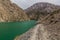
(11, 12)
(40, 10)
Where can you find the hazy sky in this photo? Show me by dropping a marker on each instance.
(27, 3)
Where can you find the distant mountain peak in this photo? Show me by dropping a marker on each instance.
(41, 9)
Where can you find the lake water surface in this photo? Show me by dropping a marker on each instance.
(9, 30)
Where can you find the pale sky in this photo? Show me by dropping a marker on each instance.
(27, 3)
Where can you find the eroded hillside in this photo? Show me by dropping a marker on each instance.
(11, 12)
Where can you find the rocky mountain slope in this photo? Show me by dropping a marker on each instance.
(11, 12)
(48, 28)
(40, 10)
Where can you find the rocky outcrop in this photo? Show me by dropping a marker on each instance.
(40, 10)
(11, 12)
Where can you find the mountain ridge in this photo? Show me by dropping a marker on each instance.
(41, 9)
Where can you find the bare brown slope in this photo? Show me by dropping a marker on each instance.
(11, 12)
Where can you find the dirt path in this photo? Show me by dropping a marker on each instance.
(35, 31)
(43, 33)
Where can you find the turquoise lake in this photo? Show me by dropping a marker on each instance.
(9, 30)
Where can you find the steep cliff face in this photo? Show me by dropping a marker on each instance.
(11, 12)
(40, 10)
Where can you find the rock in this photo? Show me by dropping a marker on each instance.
(10, 12)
